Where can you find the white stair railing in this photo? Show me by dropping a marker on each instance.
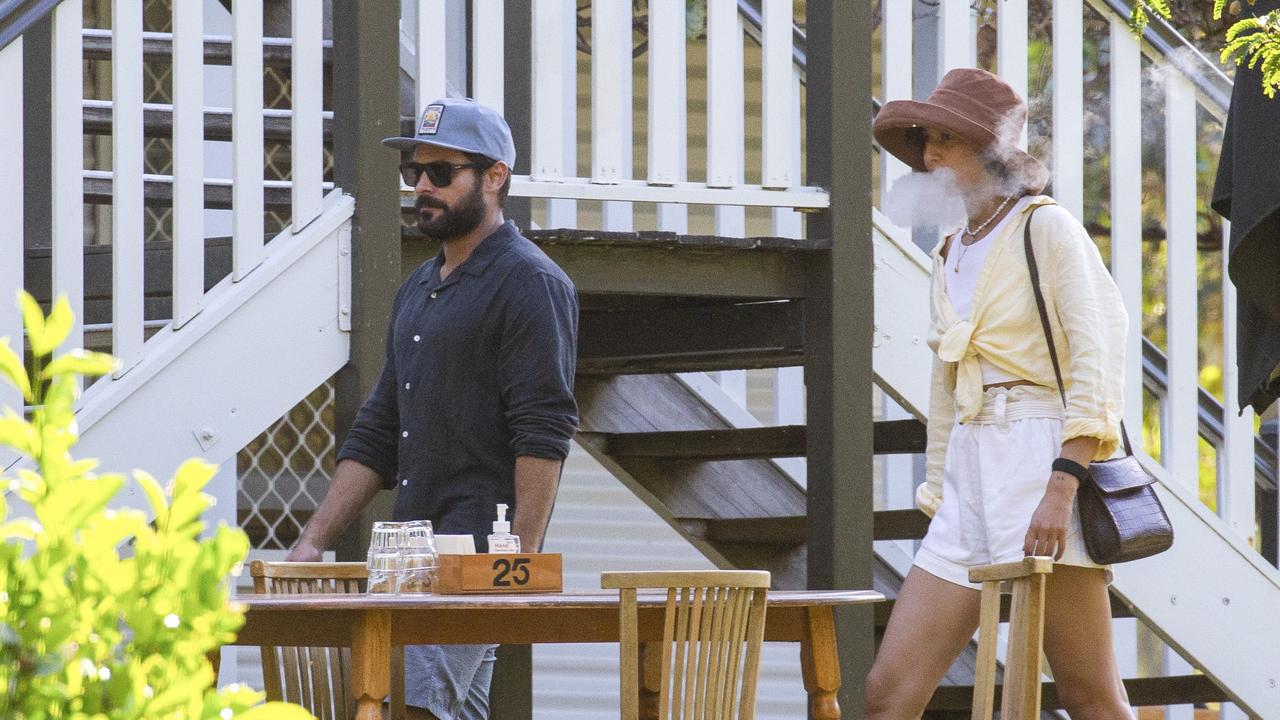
(551, 172)
(128, 182)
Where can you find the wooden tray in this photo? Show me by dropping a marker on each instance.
(499, 573)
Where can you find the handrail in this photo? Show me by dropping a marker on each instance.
(750, 11)
(17, 17)
(1202, 72)
(1155, 372)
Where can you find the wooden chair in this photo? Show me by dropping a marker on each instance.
(708, 663)
(1020, 699)
(318, 678)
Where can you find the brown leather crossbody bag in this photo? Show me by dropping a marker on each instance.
(1120, 515)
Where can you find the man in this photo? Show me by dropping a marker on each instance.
(475, 404)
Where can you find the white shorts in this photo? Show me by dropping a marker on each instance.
(996, 471)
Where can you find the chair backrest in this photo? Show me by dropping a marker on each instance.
(318, 678)
(1020, 699)
(708, 663)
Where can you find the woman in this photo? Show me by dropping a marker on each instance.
(996, 420)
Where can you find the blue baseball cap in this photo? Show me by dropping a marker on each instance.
(461, 124)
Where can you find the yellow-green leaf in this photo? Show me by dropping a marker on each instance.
(20, 529)
(80, 362)
(54, 330)
(32, 316)
(11, 367)
(18, 434)
(153, 491)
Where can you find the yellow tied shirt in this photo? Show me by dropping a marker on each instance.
(1086, 316)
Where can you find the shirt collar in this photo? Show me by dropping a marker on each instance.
(485, 253)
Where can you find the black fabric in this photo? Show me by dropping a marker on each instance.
(479, 370)
(1247, 192)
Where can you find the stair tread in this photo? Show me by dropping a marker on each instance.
(741, 443)
(157, 121)
(793, 529)
(217, 49)
(158, 191)
(1169, 690)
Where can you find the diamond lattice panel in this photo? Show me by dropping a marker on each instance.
(285, 472)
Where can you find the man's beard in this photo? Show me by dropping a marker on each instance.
(452, 222)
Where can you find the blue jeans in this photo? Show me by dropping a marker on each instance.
(451, 681)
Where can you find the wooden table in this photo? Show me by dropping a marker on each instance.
(371, 624)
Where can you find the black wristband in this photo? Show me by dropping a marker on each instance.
(1071, 467)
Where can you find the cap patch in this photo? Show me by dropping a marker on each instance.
(431, 119)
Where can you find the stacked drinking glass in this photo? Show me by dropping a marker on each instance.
(402, 558)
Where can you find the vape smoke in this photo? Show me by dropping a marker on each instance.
(928, 199)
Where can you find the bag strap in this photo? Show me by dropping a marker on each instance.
(1044, 321)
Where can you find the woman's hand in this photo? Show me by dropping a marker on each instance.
(1047, 535)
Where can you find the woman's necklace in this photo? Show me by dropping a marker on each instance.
(973, 233)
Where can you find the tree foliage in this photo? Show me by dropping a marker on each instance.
(107, 614)
(1251, 41)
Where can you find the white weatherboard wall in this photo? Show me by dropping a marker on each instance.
(600, 525)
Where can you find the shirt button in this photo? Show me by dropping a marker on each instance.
(404, 434)
(433, 295)
(404, 482)
(406, 386)
(416, 338)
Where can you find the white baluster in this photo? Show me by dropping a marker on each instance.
(127, 188)
(431, 52)
(1126, 206)
(897, 48)
(956, 31)
(188, 162)
(554, 152)
(1068, 106)
(611, 104)
(1236, 478)
(726, 161)
(668, 107)
(1181, 436)
(788, 222)
(308, 130)
(777, 119)
(1011, 49)
(67, 127)
(11, 234)
(247, 150)
(724, 93)
(487, 34)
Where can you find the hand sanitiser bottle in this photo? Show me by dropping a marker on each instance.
(502, 541)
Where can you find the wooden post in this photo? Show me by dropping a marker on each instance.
(839, 326)
(364, 168)
(511, 692)
(37, 146)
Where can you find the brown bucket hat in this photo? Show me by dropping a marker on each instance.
(971, 103)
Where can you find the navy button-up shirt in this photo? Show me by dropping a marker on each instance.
(479, 370)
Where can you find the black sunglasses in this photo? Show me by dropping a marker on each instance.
(440, 172)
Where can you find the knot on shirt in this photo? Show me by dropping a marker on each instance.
(954, 344)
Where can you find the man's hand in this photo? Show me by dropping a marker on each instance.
(1047, 535)
(304, 552)
(353, 486)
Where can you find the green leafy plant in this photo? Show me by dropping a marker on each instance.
(1251, 41)
(105, 614)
